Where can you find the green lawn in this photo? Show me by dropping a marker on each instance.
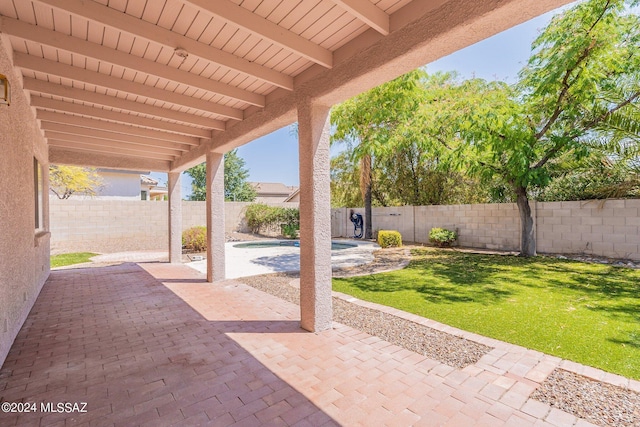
(63, 260)
(588, 313)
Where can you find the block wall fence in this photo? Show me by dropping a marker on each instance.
(609, 228)
(127, 225)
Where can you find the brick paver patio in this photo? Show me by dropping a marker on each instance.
(154, 345)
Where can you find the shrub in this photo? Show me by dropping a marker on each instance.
(260, 216)
(195, 239)
(388, 238)
(442, 237)
(290, 230)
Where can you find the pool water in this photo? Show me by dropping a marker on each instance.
(296, 243)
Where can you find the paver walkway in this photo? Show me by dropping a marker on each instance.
(153, 344)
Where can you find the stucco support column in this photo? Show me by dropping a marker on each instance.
(315, 216)
(175, 218)
(215, 217)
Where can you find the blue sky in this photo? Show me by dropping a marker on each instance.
(274, 157)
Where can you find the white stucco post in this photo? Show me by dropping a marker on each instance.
(315, 216)
(175, 218)
(215, 217)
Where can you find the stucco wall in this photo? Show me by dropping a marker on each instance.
(603, 228)
(115, 186)
(118, 225)
(24, 255)
(118, 184)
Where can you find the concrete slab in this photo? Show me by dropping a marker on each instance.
(251, 261)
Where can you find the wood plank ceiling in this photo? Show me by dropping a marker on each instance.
(155, 79)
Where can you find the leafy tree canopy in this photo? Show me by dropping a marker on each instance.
(579, 94)
(580, 84)
(65, 181)
(236, 187)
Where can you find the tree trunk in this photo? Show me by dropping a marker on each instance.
(365, 188)
(527, 236)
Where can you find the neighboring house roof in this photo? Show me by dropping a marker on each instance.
(273, 191)
(294, 197)
(147, 180)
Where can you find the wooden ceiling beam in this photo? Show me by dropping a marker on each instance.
(66, 156)
(110, 149)
(77, 74)
(74, 45)
(84, 122)
(71, 93)
(255, 24)
(56, 105)
(368, 13)
(98, 136)
(113, 18)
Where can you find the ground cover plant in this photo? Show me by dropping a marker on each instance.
(585, 312)
(63, 260)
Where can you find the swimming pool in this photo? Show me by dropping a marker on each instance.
(269, 256)
(335, 246)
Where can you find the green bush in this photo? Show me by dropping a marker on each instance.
(442, 237)
(290, 230)
(260, 216)
(388, 238)
(195, 239)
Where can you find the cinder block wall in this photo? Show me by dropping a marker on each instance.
(394, 218)
(125, 225)
(108, 226)
(608, 228)
(487, 226)
(603, 228)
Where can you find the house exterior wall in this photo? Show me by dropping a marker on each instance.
(24, 253)
(608, 228)
(120, 185)
(118, 225)
(115, 186)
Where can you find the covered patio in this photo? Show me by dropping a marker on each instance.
(166, 85)
(163, 86)
(155, 344)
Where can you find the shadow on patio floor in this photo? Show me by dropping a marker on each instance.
(137, 354)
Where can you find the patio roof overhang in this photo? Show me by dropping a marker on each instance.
(156, 85)
(164, 85)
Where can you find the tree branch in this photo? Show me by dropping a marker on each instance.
(608, 113)
(547, 157)
(488, 166)
(565, 80)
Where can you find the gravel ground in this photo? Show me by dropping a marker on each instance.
(596, 402)
(446, 348)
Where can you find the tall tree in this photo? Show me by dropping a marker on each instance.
(581, 81)
(65, 181)
(345, 183)
(366, 122)
(198, 176)
(236, 187)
